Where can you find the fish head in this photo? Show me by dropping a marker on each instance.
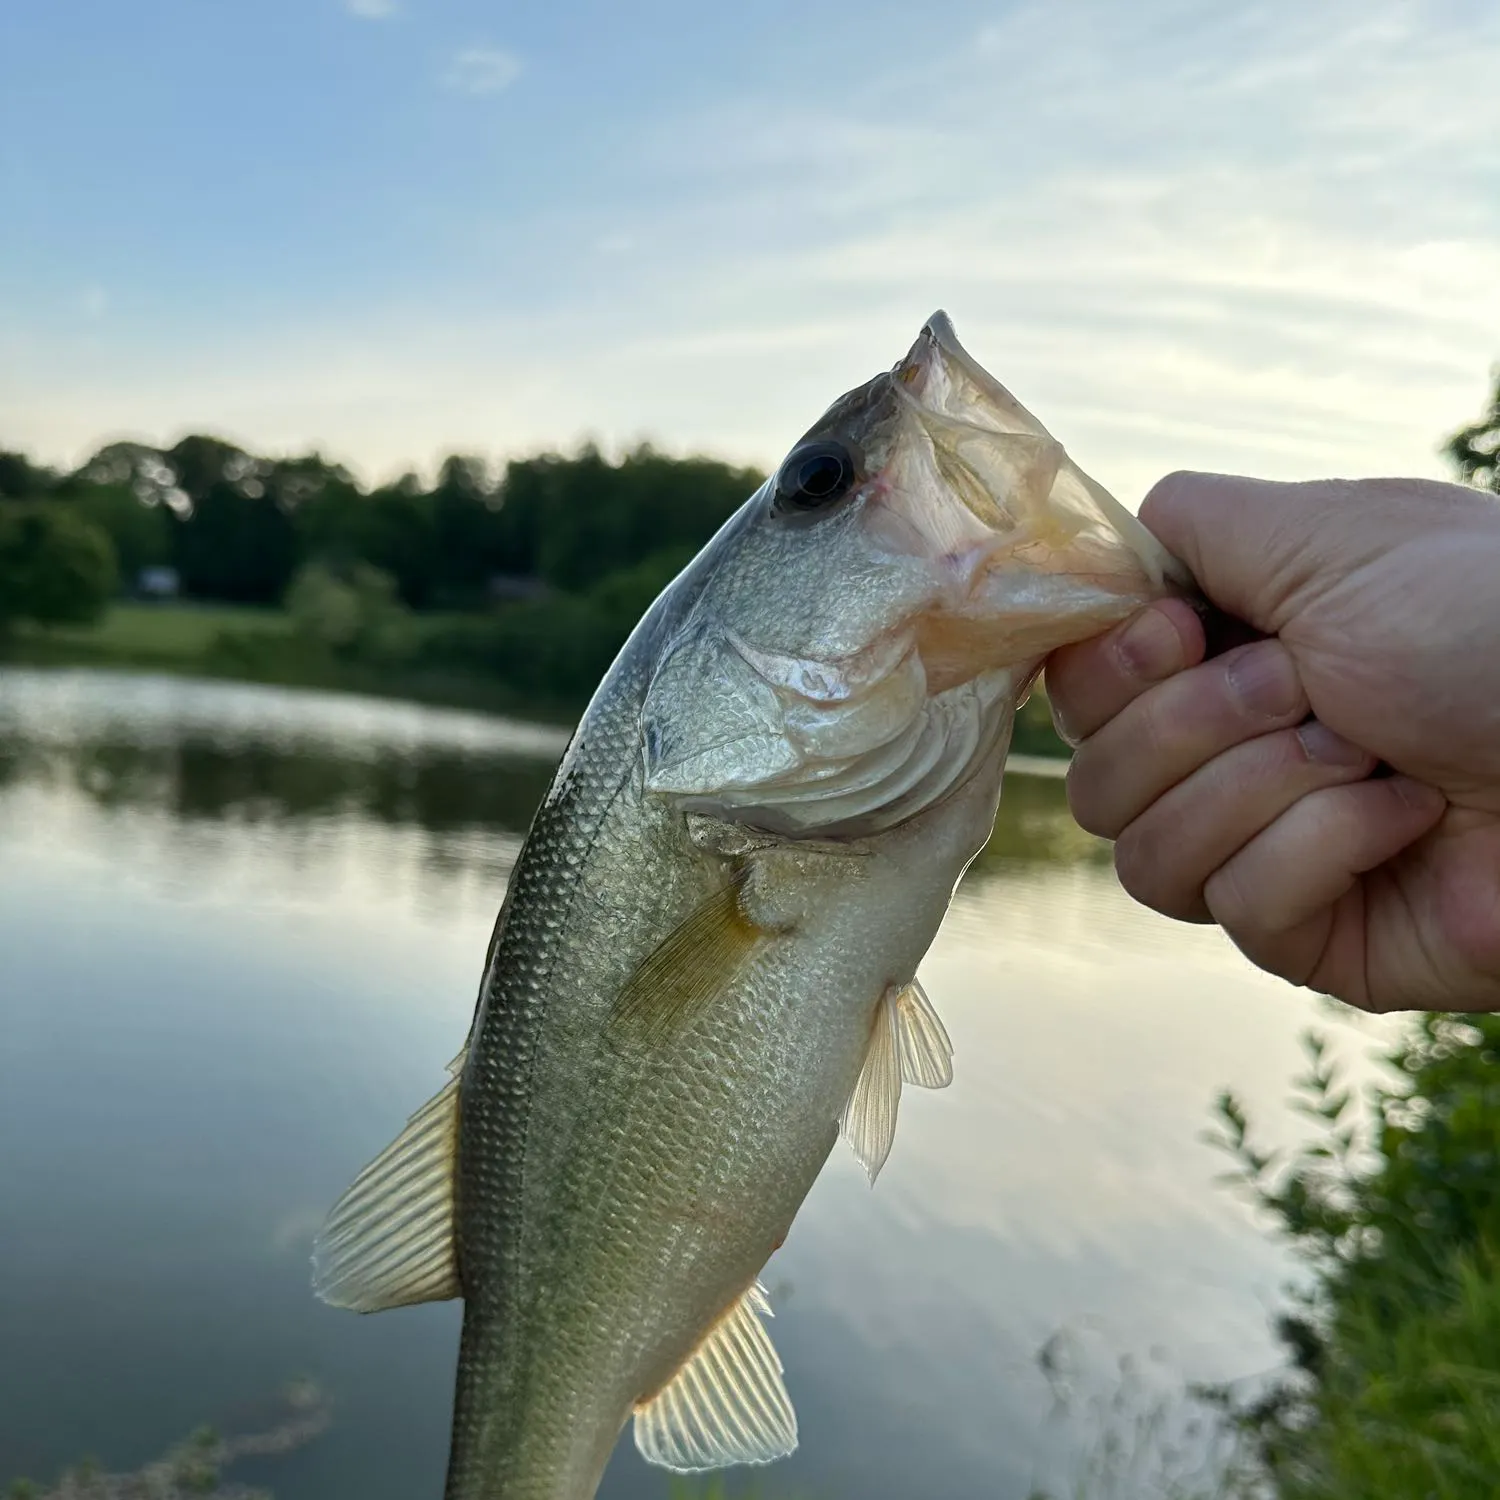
(860, 632)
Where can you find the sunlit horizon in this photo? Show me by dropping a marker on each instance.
(1266, 242)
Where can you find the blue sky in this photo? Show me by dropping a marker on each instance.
(1261, 237)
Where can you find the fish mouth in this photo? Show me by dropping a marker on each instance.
(938, 377)
(1031, 553)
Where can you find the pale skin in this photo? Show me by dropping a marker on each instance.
(1330, 795)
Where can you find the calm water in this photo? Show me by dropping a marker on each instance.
(240, 935)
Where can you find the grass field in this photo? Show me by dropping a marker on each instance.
(165, 633)
(168, 632)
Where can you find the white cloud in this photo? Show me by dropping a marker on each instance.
(482, 70)
(371, 10)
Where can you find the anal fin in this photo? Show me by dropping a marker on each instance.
(389, 1241)
(727, 1404)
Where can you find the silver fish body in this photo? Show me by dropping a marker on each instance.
(706, 958)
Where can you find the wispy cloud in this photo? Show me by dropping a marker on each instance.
(371, 10)
(482, 70)
(1264, 238)
(1269, 240)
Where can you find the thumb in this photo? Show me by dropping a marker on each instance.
(1250, 543)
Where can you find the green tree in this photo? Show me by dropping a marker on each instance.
(466, 531)
(20, 479)
(55, 568)
(1475, 450)
(237, 540)
(400, 538)
(144, 470)
(571, 521)
(140, 531)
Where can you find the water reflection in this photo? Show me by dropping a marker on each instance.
(183, 750)
(240, 932)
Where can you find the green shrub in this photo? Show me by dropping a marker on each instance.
(1394, 1343)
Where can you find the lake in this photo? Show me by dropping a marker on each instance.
(241, 931)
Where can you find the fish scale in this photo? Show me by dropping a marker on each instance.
(705, 963)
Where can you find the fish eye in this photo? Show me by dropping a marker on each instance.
(815, 474)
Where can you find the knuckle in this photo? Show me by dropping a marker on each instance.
(1146, 871)
(1328, 820)
(1279, 766)
(1163, 729)
(1150, 869)
(1165, 494)
(1187, 720)
(1224, 894)
(1088, 795)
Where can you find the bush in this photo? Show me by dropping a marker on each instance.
(55, 567)
(355, 615)
(1394, 1345)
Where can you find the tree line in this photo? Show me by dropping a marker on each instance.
(544, 565)
(237, 527)
(531, 573)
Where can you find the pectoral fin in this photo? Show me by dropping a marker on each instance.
(693, 963)
(389, 1241)
(907, 1043)
(727, 1404)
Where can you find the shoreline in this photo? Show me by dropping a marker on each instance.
(503, 705)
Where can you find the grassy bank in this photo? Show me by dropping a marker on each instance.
(158, 635)
(249, 644)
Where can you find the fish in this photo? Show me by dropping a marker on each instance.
(704, 969)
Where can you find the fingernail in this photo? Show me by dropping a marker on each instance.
(1150, 646)
(1264, 680)
(1322, 745)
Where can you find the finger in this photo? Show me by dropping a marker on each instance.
(1088, 684)
(1257, 548)
(1276, 898)
(1168, 854)
(1246, 541)
(1166, 734)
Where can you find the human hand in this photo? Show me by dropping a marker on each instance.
(1381, 603)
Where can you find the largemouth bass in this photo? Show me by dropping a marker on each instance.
(705, 964)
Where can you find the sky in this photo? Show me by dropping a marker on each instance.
(1256, 237)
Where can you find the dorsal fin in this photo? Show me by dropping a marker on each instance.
(727, 1404)
(389, 1241)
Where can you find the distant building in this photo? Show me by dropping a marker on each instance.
(158, 582)
(515, 588)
